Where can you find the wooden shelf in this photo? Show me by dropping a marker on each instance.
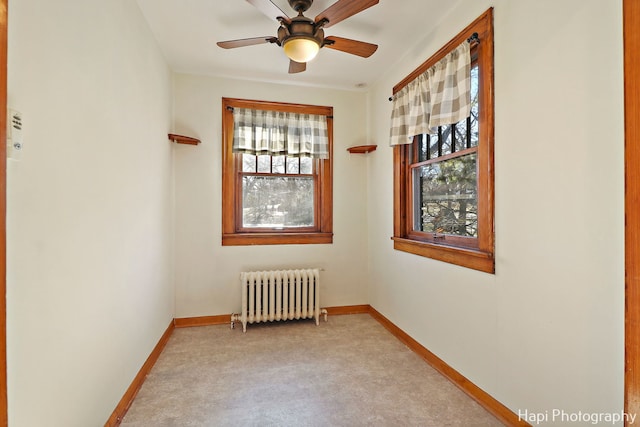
(362, 149)
(181, 139)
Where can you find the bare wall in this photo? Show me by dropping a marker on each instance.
(89, 241)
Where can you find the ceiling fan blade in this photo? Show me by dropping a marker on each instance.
(230, 44)
(342, 9)
(353, 47)
(297, 67)
(269, 9)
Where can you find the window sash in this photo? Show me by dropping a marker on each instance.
(239, 224)
(413, 206)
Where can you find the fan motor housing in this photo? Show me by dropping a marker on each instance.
(301, 27)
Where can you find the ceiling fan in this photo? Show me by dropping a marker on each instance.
(301, 38)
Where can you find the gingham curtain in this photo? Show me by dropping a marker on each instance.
(280, 133)
(439, 96)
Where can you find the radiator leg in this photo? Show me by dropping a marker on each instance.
(234, 319)
(324, 313)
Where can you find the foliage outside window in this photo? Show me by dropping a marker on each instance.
(275, 198)
(443, 181)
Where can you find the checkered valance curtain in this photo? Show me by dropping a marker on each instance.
(280, 133)
(439, 96)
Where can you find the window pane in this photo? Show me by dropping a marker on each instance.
(445, 138)
(293, 165)
(460, 135)
(306, 165)
(446, 197)
(474, 130)
(277, 163)
(277, 202)
(423, 144)
(433, 146)
(248, 162)
(474, 106)
(264, 164)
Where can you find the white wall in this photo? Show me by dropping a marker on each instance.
(207, 274)
(546, 331)
(90, 276)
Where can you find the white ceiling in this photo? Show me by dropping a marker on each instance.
(187, 31)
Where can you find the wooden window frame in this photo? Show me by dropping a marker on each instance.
(233, 234)
(478, 254)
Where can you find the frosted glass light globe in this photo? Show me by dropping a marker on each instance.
(301, 49)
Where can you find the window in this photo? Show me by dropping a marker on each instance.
(443, 180)
(276, 195)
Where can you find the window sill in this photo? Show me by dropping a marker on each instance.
(465, 257)
(245, 239)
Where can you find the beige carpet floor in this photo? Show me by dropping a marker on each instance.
(349, 371)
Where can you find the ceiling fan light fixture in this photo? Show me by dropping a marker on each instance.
(301, 49)
(301, 37)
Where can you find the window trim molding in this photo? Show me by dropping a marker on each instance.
(482, 257)
(323, 233)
